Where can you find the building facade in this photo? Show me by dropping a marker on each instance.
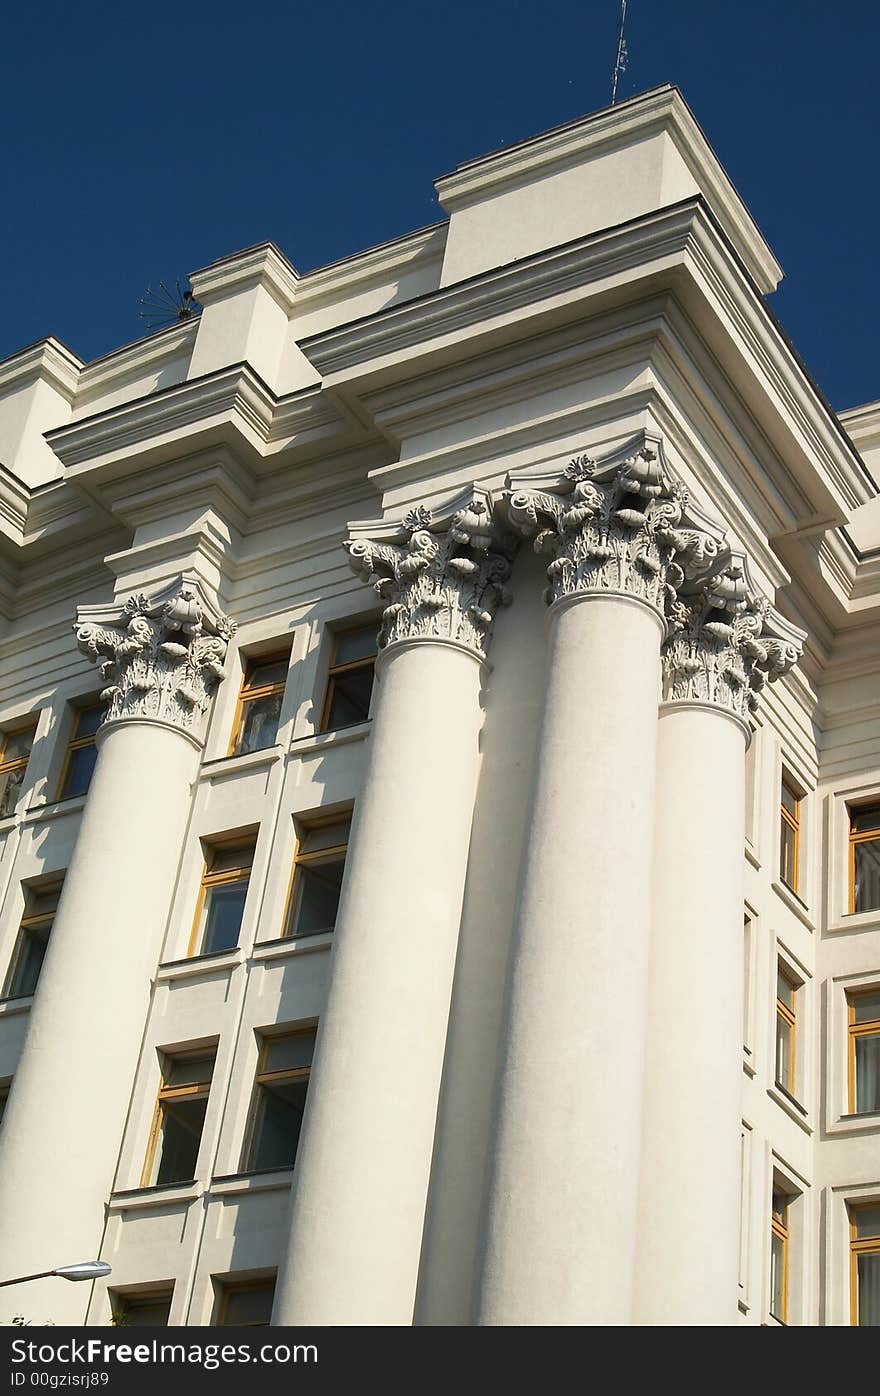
(440, 828)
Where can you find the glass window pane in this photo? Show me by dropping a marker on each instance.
(229, 857)
(288, 1053)
(272, 671)
(250, 1306)
(316, 898)
(777, 1277)
(79, 771)
(188, 1071)
(861, 820)
(787, 859)
(350, 698)
(30, 962)
(867, 1073)
(278, 1124)
(352, 645)
(783, 1053)
(789, 799)
(224, 910)
(151, 1311)
(784, 989)
(866, 1008)
(869, 1290)
(17, 745)
(259, 724)
(88, 720)
(780, 1206)
(181, 1135)
(318, 836)
(867, 875)
(10, 788)
(867, 1222)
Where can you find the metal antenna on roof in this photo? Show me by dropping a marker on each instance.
(165, 306)
(622, 54)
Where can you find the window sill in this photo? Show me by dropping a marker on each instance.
(856, 921)
(792, 1107)
(264, 1180)
(291, 945)
(199, 966)
(10, 1007)
(748, 1064)
(794, 904)
(866, 1122)
(752, 854)
(160, 1195)
(58, 809)
(224, 766)
(316, 741)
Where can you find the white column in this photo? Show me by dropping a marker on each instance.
(67, 1109)
(560, 1231)
(724, 645)
(363, 1165)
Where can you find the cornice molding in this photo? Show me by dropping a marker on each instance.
(47, 359)
(263, 265)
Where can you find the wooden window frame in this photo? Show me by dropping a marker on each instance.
(793, 820)
(867, 1245)
(195, 1090)
(20, 763)
(335, 669)
(865, 836)
(321, 855)
(790, 1016)
(870, 1028)
(29, 923)
(231, 1286)
(261, 1077)
(782, 1231)
(248, 695)
(76, 744)
(219, 879)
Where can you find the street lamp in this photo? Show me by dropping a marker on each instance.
(84, 1270)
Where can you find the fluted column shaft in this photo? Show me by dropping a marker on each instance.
(724, 646)
(560, 1223)
(70, 1096)
(363, 1165)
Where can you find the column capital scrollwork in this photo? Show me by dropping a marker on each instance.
(160, 657)
(622, 525)
(726, 642)
(442, 576)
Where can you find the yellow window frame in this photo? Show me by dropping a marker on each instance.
(21, 762)
(230, 1287)
(28, 923)
(242, 873)
(336, 669)
(790, 1016)
(780, 1229)
(869, 1028)
(76, 743)
(250, 694)
(857, 837)
(193, 1090)
(793, 820)
(301, 860)
(264, 1078)
(867, 1245)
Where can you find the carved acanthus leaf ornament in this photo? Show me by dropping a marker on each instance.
(159, 658)
(440, 578)
(621, 527)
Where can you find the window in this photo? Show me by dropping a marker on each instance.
(864, 1052)
(350, 681)
(786, 1025)
(4, 1098)
(81, 752)
(222, 897)
(789, 835)
(245, 1303)
(33, 937)
(779, 1255)
(147, 1309)
(865, 1265)
(180, 1115)
(317, 878)
(259, 704)
(864, 858)
(279, 1099)
(15, 750)
(747, 979)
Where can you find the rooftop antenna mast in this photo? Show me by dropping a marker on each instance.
(622, 55)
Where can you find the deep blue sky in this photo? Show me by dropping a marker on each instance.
(145, 141)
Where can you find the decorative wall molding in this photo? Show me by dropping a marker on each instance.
(441, 576)
(160, 658)
(624, 525)
(726, 642)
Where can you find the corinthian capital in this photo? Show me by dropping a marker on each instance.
(623, 525)
(726, 642)
(160, 658)
(441, 577)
